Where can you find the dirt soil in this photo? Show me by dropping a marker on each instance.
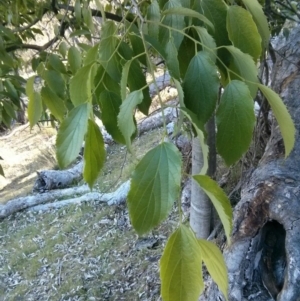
(24, 153)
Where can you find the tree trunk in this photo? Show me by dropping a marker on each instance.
(263, 259)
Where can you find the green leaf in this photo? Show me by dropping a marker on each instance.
(81, 85)
(94, 153)
(235, 122)
(208, 43)
(30, 86)
(172, 60)
(153, 14)
(216, 12)
(88, 19)
(77, 10)
(70, 135)
(173, 22)
(92, 55)
(55, 82)
(63, 48)
(260, 19)
(125, 118)
(155, 45)
(124, 79)
(110, 107)
(214, 261)
(155, 185)
(244, 66)
(10, 109)
(180, 267)
(245, 36)
(201, 86)
(54, 103)
(56, 63)
(282, 116)
(81, 32)
(35, 109)
(74, 59)
(219, 200)
(109, 58)
(182, 11)
(136, 81)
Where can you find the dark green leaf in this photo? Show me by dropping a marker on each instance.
(180, 267)
(55, 82)
(201, 86)
(56, 63)
(70, 135)
(94, 153)
(110, 107)
(172, 60)
(154, 187)
(153, 14)
(235, 121)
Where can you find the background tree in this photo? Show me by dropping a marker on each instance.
(202, 48)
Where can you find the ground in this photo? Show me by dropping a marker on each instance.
(87, 252)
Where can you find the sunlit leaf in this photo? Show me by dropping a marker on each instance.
(214, 261)
(219, 200)
(245, 36)
(282, 116)
(201, 86)
(181, 267)
(235, 121)
(92, 55)
(70, 135)
(94, 153)
(54, 103)
(81, 85)
(155, 185)
(125, 118)
(74, 59)
(260, 19)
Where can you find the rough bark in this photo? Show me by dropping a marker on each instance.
(263, 259)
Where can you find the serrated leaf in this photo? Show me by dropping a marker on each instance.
(35, 109)
(219, 200)
(54, 103)
(153, 14)
(172, 21)
(74, 59)
(208, 43)
(260, 19)
(124, 79)
(245, 36)
(235, 122)
(285, 122)
(172, 60)
(180, 267)
(125, 118)
(214, 261)
(244, 66)
(56, 63)
(55, 82)
(70, 135)
(155, 44)
(155, 185)
(187, 12)
(2, 171)
(108, 29)
(136, 80)
(94, 153)
(81, 85)
(201, 86)
(199, 128)
(110, 104)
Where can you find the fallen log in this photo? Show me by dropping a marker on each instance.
(38, 201)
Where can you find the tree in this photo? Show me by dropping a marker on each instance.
(203, 45)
